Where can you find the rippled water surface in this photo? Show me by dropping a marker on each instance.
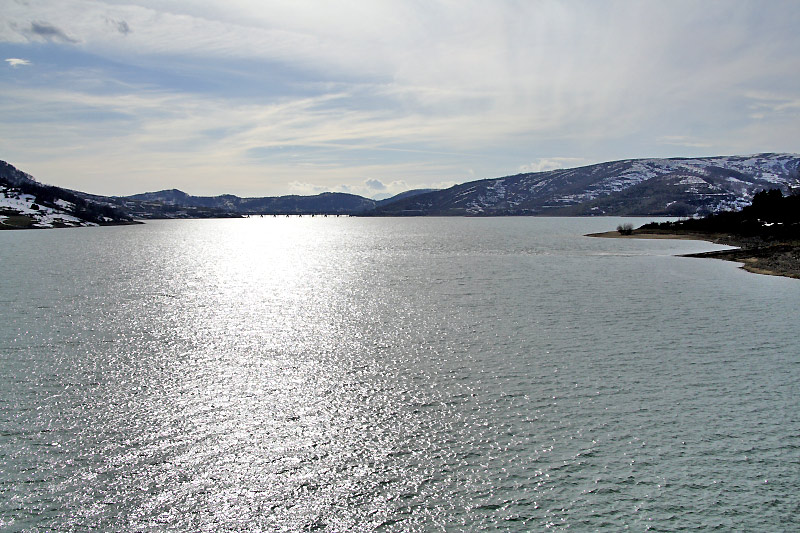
(343, 374)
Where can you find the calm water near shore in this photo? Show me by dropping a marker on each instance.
(423, 374)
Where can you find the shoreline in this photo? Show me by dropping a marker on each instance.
(755, 255)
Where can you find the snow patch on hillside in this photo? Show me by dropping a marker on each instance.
(766, 169)
(692, 180)
(14, 202)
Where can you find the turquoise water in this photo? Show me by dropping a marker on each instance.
(427, 374)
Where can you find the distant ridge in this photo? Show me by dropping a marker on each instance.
(402, 195)
(675, 187)
(174, 203)
(146, 204)
(644, 187)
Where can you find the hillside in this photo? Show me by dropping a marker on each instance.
(174, 203)
(672, 187)
(26, 203)
(402, 196)
(153, 204)
(771, 217)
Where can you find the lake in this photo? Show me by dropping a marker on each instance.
(379, 374)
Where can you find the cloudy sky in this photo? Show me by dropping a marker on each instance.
(263, 97)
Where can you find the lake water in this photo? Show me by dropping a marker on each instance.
(424, 374)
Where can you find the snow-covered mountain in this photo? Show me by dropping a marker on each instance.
(21, 210)
(677, 187)
(26, 203)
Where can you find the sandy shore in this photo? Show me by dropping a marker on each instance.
(642, 235)
(757, 256)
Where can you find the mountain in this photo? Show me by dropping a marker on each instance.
(174, 203)
(26, 203)
(402, 195)
(674, 187)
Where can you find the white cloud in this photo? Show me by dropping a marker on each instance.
(14, 62)
(682, 140)
(338, 93)
(774, 101)
(305, 189)
(374, 184)
(365, 188)
(387, 190)
(551, 163)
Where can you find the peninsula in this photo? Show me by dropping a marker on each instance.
(766, 234)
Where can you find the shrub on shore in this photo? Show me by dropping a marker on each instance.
(625, 229)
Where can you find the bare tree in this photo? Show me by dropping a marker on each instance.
(625, 229)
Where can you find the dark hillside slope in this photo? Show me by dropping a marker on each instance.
(173, 200)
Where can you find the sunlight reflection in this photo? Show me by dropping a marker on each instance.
(265, 306)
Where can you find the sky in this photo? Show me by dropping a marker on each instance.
(374, 97)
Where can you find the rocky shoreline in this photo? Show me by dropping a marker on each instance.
(757, 255)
